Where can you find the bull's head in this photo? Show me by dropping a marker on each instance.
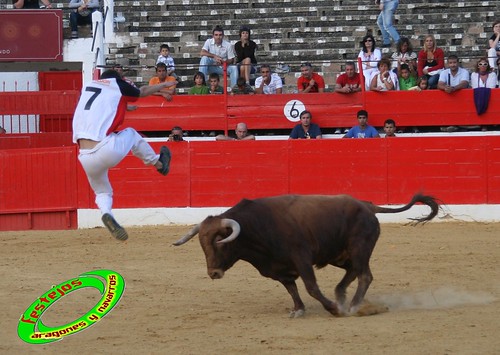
(213, 235)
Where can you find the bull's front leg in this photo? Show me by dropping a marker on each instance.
(298, 305)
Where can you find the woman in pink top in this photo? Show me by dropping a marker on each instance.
(430, 61)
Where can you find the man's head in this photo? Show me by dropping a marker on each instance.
(306, 70)
(161, 71)
(453, 63)
(110, 73)
(265, 71)
(177, 133)
(2, 130)
(164, 50)
(389, 127)
(118, 68)
(218, 34)
(305, 118)
(404, 71)
(240, 83)
(362, 118)
(241, 130)
(350, 69)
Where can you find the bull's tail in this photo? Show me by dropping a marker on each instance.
(426, 200)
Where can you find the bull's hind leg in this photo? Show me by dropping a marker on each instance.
(340, 290)
(364, 281)
(298, 305)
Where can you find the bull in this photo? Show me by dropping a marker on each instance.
(283, 237)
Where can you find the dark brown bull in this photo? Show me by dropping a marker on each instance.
(284, 236)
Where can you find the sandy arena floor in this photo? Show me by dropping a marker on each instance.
(440, 281)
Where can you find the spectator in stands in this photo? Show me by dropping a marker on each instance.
(119, 68)
(454, 78)
(267, 82)
(200, 86)
(404, 54)
(215, 52)
(162, 77)
(385, 79)
(310, 82)
(422, 84)
(242, 88)
(176, 135)
(166, 58)
(82, 14)
(241, 132)
(363, 129)
(385, 21)
(245, 54)
(370, 55)
(390, 128)
(483, 77)
(494, 42)
(406, 78)
(31, 4)
(350, 81)
(305, 129)
(430, 61)
(214, 87)
(2, 130)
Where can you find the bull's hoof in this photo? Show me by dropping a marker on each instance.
(297, 314)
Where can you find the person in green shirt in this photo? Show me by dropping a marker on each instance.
(200, 87)
(407, 79)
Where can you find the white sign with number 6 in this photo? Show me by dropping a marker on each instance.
(292, 110)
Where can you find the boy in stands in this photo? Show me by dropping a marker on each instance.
(99, 113)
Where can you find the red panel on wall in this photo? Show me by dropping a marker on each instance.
(31, 35)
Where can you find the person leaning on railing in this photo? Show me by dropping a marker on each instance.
(31, 4)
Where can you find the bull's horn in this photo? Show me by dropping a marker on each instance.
(188, 236)
(235, 226)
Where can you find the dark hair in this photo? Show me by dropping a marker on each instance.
(110, 73)
(390, 121)
(306, 64)
(240, 81)
(245, 29)
(453, 56)
(362, 113)
(161, 65)
(176, 128)
(350, 63)
(265, 66)
(164, 46)
(368, 36)
(402, 41)
(484, 59)
(201, 75)
(495, 23)
(304, 112)
(218, 29)
(404, 67)
(214, 76)
(385, 61)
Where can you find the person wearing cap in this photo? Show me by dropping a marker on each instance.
(310, 82)
(245, 54)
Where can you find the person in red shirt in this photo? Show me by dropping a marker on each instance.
(309, 81)
(350, 81)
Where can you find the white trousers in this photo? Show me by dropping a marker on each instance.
(97, 161)
(492, 57)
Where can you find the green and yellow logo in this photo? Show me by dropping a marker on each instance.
(111, 286)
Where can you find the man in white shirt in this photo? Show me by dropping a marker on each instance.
(454, 78)
(268, 83)
(215, 52)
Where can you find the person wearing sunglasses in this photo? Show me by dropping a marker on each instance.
(370, 56)
(483, 77)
